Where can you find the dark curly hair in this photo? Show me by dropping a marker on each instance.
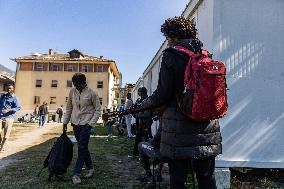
(179, 28)
(79, 78)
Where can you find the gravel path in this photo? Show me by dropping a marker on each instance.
(28, 137)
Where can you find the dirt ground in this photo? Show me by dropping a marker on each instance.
(23, 137)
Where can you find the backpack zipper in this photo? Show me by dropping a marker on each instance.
(197, 80)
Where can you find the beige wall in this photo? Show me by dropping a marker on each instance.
(111, 88)
(1, 86)
(26, 90)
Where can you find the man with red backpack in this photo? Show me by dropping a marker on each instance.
(187, 142)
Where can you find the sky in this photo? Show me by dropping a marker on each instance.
(126, 31)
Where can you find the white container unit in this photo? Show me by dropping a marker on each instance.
(248, 36)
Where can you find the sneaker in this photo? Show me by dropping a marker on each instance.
(133, 156)
(76, 179)
(90, 174)
(2, 149)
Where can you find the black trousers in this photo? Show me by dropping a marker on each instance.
(147, 151)
(203, 168)
(141, 132)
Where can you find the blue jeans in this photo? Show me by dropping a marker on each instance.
(82, 135)
(109, 125)
(41, 120)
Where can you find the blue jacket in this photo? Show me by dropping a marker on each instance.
(9, 102)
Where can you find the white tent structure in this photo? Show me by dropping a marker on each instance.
(247, 35)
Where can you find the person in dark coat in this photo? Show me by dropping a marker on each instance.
(185, 142)
(143, 122)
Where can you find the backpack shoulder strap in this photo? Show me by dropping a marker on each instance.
(186, 51)
(206, 53)
(191, 53)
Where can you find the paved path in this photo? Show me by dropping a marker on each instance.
(23, 141)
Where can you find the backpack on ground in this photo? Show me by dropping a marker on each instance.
(60, 156)
(205, 89)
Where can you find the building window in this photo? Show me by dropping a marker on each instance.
(54, 83)
(66, 99)
(100, 84)
(38, 83)
(55, 67)
(100, 68)
(116, 95)
(101, 101)
(69, 83)
(38, 67)
(4, 88)
(70, 68)
(85, 68)
(37, 100)
(53, 100)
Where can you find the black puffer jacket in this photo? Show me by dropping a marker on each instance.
(181, 137)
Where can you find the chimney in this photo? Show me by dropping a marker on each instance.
(50, 52)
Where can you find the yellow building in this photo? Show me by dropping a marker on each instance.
(47, 77)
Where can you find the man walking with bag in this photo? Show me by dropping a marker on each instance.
(83, 110)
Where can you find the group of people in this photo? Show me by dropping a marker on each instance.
(185, 143)
(9, 105)
(41, 113)
(141, 129)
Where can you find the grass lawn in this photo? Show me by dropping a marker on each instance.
(113, 169)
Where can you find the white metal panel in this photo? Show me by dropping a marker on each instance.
(248, 37)
(155, 74)
(204, 23)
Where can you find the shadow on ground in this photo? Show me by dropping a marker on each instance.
(113, 170)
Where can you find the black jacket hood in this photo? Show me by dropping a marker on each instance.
(194, 45)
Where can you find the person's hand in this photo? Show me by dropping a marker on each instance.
(159, 111)
(6, 111)
(64, 127)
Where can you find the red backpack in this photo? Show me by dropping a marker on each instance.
(204, 96)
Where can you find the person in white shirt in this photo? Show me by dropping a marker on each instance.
(128, 118)
(83, 109)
